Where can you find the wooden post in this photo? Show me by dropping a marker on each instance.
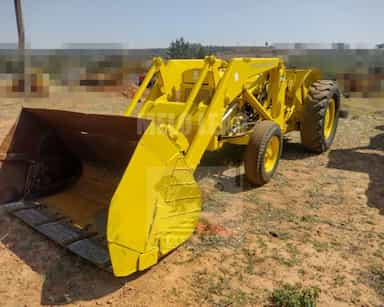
(22, 52)
(20, 24)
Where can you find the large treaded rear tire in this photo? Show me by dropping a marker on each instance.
(321, 93)
(256, 153)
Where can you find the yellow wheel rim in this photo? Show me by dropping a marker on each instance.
(271, 154)
(329, 118)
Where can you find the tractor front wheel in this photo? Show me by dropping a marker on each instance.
(263, 152)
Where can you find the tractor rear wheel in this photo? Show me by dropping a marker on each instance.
(263, 152)
(320, 116)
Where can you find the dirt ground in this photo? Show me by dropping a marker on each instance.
(319, 222)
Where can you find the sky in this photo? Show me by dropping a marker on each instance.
(153, 24)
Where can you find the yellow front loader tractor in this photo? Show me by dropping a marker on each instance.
(120, 191)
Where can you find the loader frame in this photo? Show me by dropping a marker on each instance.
(239, 78)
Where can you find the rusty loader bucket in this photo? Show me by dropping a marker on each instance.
(112, 189)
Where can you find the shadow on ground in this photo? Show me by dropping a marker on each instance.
(67, 278)
(217, 164)
(369, 162)
(224, 167)
(294, 151)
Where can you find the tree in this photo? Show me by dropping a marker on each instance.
(182, 49)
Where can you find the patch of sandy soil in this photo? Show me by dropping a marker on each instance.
(319, 222)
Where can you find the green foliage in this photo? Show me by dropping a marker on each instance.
(182, 49)
(295, 296)
(11, 65)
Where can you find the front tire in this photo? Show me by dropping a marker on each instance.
(263, 152)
